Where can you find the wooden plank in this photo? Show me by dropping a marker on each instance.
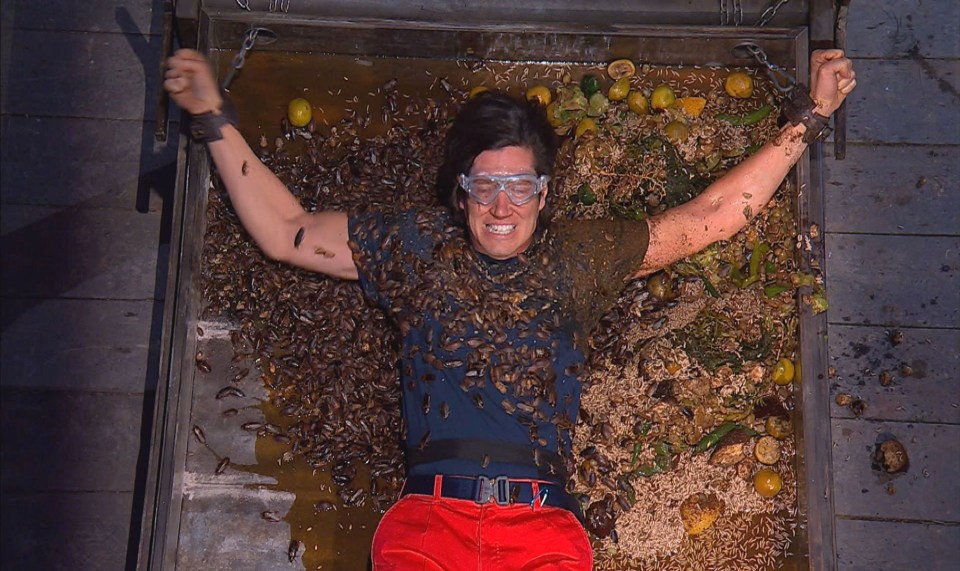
(76, 252)
(893, 280)
(137, 17)
(928, 394)
(65, 531)
(905, 101)
(82, 74)
(70, 441)
(928, 491)
(893, 546)
(67, 162)
(893, 190)
(95, 345)
(898, 29)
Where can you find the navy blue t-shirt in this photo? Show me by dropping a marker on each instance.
(491, 350)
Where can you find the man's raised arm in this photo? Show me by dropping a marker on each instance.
(269, 212)
(728, 204)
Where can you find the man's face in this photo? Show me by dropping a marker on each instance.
(502, 229)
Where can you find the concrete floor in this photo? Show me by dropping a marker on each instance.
(84, 248)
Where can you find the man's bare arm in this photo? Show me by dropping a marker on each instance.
(269, 212)
(729, 203)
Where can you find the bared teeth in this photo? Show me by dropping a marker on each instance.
(501, 228)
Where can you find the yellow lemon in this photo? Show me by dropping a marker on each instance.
(662, 97)
(539, 93)
(767, 483)
(638, 103)
(299, 112)
(784, 371)
(619, 89)
(621, 68)
(586, 125)
(739, 85)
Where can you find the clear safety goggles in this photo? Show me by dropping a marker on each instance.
(519, 188)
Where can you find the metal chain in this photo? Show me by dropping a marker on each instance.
(725, 12)
(770, 12)
(245, 4)
(281, 5)
(782, 80)
(241, 58)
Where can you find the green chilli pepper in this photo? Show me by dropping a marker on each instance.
(708, 286)
(711, 439)
(760, 250)
(775, 290)
(748, 119)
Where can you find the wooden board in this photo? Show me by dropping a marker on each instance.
(85, 15)
(893, 280)
(76, 252)
(79, 352)
(893, 546)
(902, 28)
(893, 190)
(65, 531)
(928, 491)
(67, 162)
(905, 101)
(69, 441)
(49, 65)
(929, 394)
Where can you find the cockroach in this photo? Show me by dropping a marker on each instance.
(199, 434)
(293, 550)
(299, 237)
(230, 391)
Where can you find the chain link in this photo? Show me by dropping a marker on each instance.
(244, 4)
(782, 80)
(279, 5)
(725, 12)
(770, 12)
(249, 41)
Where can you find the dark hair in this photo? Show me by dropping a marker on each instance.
(494, 120)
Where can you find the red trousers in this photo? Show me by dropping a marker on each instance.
(431, 533)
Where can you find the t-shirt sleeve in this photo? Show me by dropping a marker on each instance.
(386, 248)
(599, 257)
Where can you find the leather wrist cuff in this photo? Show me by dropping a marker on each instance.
(206, 127)
(798, 108)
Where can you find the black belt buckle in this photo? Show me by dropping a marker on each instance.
(496, 489)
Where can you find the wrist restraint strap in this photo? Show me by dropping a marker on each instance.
(798, 109)
(206, 127)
